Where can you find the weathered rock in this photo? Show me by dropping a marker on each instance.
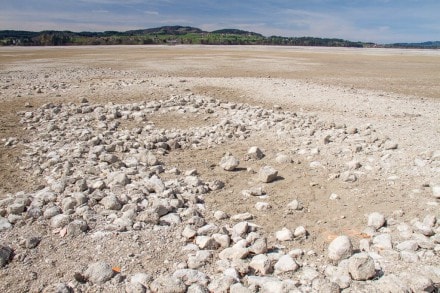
(262, 206)
(76, 227)
(191, 276)
(255, 153)
(382, 241)
(111, 202)
(261, 264)
(267, 174)
(5, 255)
(361, 267)
(99, 273)
(197, 288)
(285, 264)
(390, 145)
(233, 253)
(283, 159)
(221, 284)
(299, 232)
(240, 229)
(199, 259)
(259, 246)
(4, 224)
(58, 288)
(16, 208)
(408, 245)
(167, 284)
(32, 241)
(141, 278)
(340, 248)
(206, 242)
(239, 288)
(229, 163)
(284, 235)
(220, 215)
(376, 220)
(59, 221)
(391, 283)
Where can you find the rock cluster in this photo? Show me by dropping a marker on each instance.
(104, 176)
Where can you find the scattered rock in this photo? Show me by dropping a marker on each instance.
(361, 267)
(255, 153)
(267, 174)
(340, 248)
(99, 273)
(376, 220)
(5, 255)
(229, 163)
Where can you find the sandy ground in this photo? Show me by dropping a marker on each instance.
(396, 91)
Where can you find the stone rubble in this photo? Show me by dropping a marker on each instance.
(102, 178)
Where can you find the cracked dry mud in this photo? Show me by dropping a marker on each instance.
(219, 169)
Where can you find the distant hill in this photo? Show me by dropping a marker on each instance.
(164, 35)
(424, 45)
(233, 31)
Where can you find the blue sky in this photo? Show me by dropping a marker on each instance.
(381, 21)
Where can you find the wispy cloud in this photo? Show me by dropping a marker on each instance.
(374, 20)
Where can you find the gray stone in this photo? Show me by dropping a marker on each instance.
(59, 221)
(283, 159)
(240, 229)
(4, 224)
(197, 288)
(199, 259)
(423, 228)
(222, 239)
(261, 264)
(229, 163)
(348, 176)
(167, 284)
(99, 273)
(408, 245)
(111, 202)
(409, 256)
(242, 217)
(262, 206)
(206, 242)
(259, 246)
(390, 145)
(382, 241)
(16, 208)
(68, 203)
(361, 267)
(340, 248)
(220, 215)
(294, 205)
(267, 174)
(267, 284)
(284, 235)
(285, 264)
(190, 276)
(255, 153)
(32, 241)
(58, 288)
(239, 288)
(300, 232)
(391, 283)
(5, 255)
(77, 227)
(233, 253)
(221, 284)
(376, 220)
(418, 282)
(141, 278)
(170, 219)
